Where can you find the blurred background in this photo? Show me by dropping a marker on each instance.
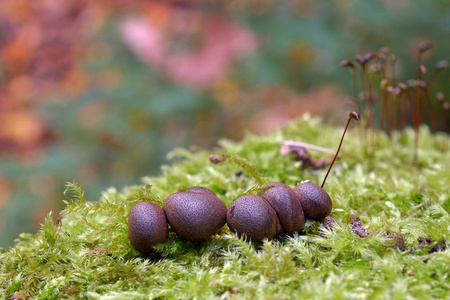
(98, 91)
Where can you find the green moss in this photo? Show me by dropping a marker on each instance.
(87, 254)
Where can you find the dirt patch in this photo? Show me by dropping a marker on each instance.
(328, 222)
(432, 245)
(357, 227)
(396, 241)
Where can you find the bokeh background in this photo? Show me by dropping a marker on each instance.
(99, 91)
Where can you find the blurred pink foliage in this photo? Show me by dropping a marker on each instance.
(212, 45)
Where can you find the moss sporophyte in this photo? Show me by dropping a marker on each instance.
(384, 238)
(400, 103)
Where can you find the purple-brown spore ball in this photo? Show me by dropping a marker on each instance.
(252, 216)
(196, 214)
(147, 226)
(286, 204)
(316, 203)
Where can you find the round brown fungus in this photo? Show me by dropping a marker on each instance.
(253, 217)
(196, 214)
(147, 226)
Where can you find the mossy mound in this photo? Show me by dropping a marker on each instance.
(86, 254)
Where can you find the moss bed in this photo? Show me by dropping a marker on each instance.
(404, 209)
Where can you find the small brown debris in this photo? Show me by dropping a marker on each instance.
(439, 246)
(357, 227)
(217, 159)
(424, 242)
(300, 154)
(321, 163)
(58, 221)
(97, 251)
(328, 222)
(434, 246)
(398, 241)
(18, 296)
(411, 273)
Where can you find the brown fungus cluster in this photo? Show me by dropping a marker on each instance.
(197, 213)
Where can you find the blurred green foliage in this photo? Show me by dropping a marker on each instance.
(112, 136)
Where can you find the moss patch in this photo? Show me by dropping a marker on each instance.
(87, 253)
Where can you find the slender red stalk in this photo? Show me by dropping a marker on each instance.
(351, 66)
(399, 108)
(424, 86)
(394, 75)
(355, 88)
(367, 58)
(416, 121)
(445, 109)
(354, 115)
(383, 105)
(423, 47)
(362, 62)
